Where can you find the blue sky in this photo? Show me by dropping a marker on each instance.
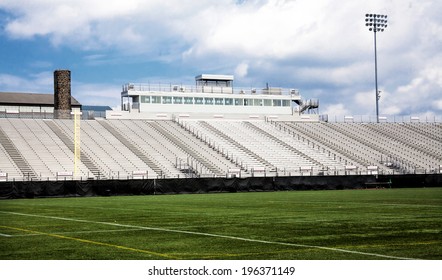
(322, 48)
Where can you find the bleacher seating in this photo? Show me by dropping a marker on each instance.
(33, 149)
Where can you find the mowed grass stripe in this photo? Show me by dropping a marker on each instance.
(208, 235)
(91, 242)
(76, 232)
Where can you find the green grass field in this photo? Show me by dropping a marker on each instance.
(303, 225)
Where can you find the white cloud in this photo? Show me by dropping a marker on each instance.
(391, 110)
(43, 82)
(36, 83)
(241, 70)
(338, 109)
(97, 94)
(64, 17)
(437, 104)
(421, 92)
(321, 47)
(255, 28)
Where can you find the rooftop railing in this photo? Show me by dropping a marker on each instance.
(49, 114)
(207, 89)
(382, 119)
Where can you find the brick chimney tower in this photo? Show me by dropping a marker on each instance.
(62, 94)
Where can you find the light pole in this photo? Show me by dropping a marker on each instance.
(376, 23)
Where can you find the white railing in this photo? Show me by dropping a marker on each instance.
(252, 172)
(207, 89)
(50, 114)
(382, 119)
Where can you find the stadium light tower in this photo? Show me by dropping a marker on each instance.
(376, 23)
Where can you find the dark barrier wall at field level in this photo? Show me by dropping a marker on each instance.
(32, 189)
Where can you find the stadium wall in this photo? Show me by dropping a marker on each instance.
(67, 188)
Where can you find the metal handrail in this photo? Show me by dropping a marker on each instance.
(206, 89)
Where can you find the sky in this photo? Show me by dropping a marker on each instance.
(322, 48)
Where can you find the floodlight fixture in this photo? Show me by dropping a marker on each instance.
(376, 23)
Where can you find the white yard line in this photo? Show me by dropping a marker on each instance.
(212, 235)
(5, 235)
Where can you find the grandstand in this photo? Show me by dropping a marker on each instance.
(42, 149)
(165, 133)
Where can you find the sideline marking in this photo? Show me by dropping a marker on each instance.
(5, 235)
(211, 235)
(90, 242)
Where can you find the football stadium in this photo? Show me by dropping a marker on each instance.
(212, 171)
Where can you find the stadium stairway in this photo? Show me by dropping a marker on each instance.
(342, 154)
(409, 150)
(369, 150)
(280, 150)
(36, 149)
(283, 144)
(16, 156)
(84, 158)
(8, 168)
(241, 161)
(314, 151)
(432, 131)
(428, 147)
(28, 144)
(135, 150)
(238, 145)
(50, 151)
(164, 128)
(141, 135)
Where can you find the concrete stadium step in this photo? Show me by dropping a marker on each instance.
(70, 144)
(150, 162)
(392, 133)
(429, 131)
(183, 145)
(334, 148)
(41, 147)
(366, 145)
(400, 155)
(237, 145)
(282, 143)
(16, 156)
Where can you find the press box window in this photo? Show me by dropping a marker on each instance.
(219, 101)
(276, 102)
(238, 102)
(177, 100)
(156, 99)
(145, 99)
(167, 100)
(248, 102)
(228, 101)
(257, 102)
(286, 103)
(208, 101)
(198, 100)
(188, 100)
(267, 102)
